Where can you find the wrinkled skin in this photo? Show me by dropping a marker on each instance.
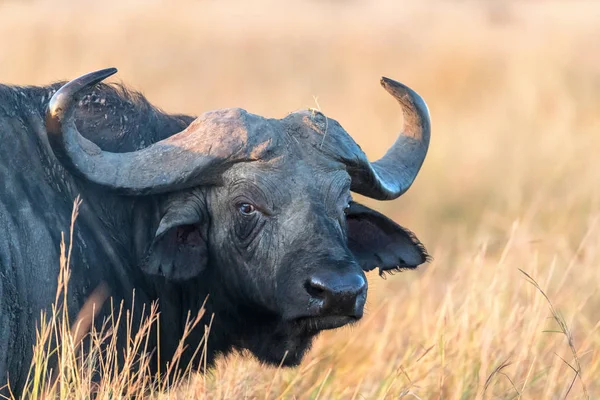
(299, 228)
(261, 241)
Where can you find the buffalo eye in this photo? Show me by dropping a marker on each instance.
(246, 208)
(346, 208)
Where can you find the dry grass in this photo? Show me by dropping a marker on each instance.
(511, 181)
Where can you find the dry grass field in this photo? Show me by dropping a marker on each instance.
(511, 182)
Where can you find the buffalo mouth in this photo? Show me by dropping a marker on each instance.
(313, 325)
(286, 343)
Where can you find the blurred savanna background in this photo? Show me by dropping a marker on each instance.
(511, 181)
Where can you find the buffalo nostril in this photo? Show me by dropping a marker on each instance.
(316, 288)
(337, 294)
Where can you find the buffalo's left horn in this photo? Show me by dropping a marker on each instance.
(174, 163)
(392, 175)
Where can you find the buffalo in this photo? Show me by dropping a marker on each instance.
(250, 217)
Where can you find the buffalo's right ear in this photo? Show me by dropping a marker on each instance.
(179, 249)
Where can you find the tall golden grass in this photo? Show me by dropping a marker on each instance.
(508, 201)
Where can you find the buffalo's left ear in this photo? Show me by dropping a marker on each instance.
(377, 241)
(179, 250)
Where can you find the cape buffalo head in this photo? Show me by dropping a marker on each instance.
(262, 207)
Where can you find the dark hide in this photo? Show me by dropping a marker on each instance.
(36, 201)
(259, 242)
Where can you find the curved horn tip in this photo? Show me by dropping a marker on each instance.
(64, 96)
(388, 83)
(399, 91)
(396, 88)
(97, 76)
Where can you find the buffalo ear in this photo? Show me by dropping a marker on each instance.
(377, 241)
(179, 249)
